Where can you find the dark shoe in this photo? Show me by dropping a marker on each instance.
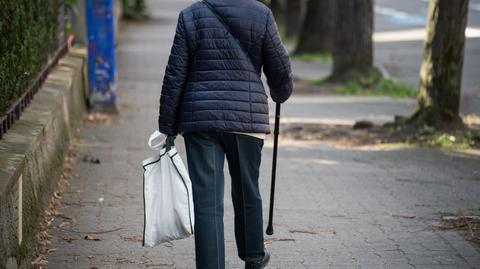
(258, 265)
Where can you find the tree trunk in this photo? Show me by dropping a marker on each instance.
(317, 32)
(353, 44)
(438, 99)
(276, 7)
(293, 17)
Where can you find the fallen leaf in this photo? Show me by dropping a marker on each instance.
(302, 232)
(63, 224)
(132, 238)
(65, 217)
(68, 239)
(92, 238)
(269, 240)
(91, 159)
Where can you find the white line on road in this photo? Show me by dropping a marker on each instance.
(417, 34)
(400, 17)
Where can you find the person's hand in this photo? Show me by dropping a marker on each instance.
(170, 142)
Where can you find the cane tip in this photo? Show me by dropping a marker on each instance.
(269, 231)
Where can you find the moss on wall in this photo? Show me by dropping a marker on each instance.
(35, 148)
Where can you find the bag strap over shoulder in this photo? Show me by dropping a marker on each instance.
(228, 28)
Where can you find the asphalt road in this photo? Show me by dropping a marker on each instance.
(395, 15)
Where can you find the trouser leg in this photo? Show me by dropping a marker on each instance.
(205, 157)
(244, 157)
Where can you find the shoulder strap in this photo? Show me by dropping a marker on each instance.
(219, 17)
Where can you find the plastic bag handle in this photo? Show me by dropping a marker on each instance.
(156, 135)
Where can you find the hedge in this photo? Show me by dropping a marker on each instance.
(28, 31)
(134, 9)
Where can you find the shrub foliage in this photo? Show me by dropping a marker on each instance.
(28, 32)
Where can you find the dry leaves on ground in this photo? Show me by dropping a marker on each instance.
(102, 118)
(43, 237)
(342, 135)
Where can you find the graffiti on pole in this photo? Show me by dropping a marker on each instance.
(102, 75)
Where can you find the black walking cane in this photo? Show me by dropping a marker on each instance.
(274, 168)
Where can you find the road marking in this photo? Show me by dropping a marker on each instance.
(417, 34)
(401, 18)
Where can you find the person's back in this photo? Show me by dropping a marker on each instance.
(213, 95)
(210, 84)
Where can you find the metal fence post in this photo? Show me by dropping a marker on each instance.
(102, 74)
(62, 37)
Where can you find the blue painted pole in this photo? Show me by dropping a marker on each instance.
(102, 73)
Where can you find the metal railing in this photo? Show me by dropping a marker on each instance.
(13, 113)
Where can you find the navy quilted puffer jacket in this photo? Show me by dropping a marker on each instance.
(209, 83)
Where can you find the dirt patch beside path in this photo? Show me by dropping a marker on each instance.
(366, 134)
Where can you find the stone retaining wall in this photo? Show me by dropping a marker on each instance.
(32, 153)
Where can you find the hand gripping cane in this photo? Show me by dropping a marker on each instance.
(274, 168)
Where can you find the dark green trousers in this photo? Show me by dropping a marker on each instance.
(206, 153)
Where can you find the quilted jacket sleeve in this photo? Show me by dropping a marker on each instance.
(174, 81)
(276, 63)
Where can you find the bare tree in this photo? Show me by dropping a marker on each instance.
(353, 44)
(317, 31)
(438, 98)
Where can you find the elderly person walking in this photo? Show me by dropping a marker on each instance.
(213, 95)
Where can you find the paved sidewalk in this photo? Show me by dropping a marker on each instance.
(335, 208)
(345, 110)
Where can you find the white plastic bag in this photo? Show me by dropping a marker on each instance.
(167, 193)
